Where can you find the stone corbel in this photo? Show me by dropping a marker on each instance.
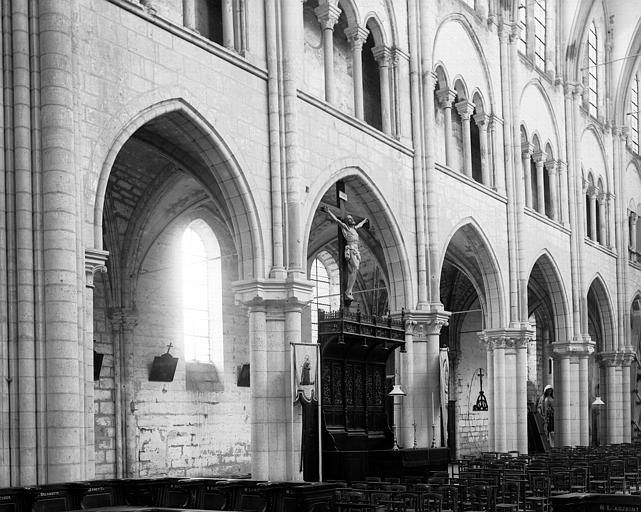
(95, 261)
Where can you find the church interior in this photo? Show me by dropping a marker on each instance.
(320, 255)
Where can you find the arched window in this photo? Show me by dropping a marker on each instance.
(634, 113)
(540, 33)
(202, 294)
(522, 18)
(593, 71)
(221, 21)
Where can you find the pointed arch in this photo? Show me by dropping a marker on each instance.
(220, 170)
(392, 256)
(555, 136)
(469, 249)
(461, 20)
(375, 25)
(601, 314)
(545, 275)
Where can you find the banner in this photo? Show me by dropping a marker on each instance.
(305, 370)
(444, 364)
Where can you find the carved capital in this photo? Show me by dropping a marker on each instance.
(562, 166)
(95, 261)
(527, 150)
(617, 359)
(578, 347)
(446, 97)
(383, 55)
(327, 15)
(426, 323)
(465, 109)
(482, 120)
(550, 167)
(539, 158)
(356, 36)
(494, 339)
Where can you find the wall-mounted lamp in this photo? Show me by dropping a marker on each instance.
(481, 401)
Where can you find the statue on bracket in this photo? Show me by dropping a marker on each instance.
(349, 229)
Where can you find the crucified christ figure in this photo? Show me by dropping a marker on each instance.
(352, 252)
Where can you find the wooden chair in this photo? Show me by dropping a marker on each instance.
(539, 494)
(599, 477)
(560, 482)
(509, 499)
(430, 502)
(481, 498)
(579, 479)
(450, 499)
(616, 477)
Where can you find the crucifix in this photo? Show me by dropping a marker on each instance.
(348, 250)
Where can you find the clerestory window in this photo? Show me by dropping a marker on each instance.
(540, 33)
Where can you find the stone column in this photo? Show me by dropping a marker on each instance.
(584, 401)
(507, 383)
(539, 161)
(357, 36)
(526, 155)
(189, 14)
(612, 397)
(563, 201)
(482, 121)
(571, 393)
(260, 440)
(601, 198)
(383, 55)
(64, 406)
(328, 15)
(123, 323)
(228, 24)
(593, 223)
(95, 261)
(496, 126)
(423, 391)
(550, 167)
(628, 360)
(293, 413)
(275, 307)
(465, 109)
(435, 322)
(445, 98)
(611, 222)
(633, 236)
